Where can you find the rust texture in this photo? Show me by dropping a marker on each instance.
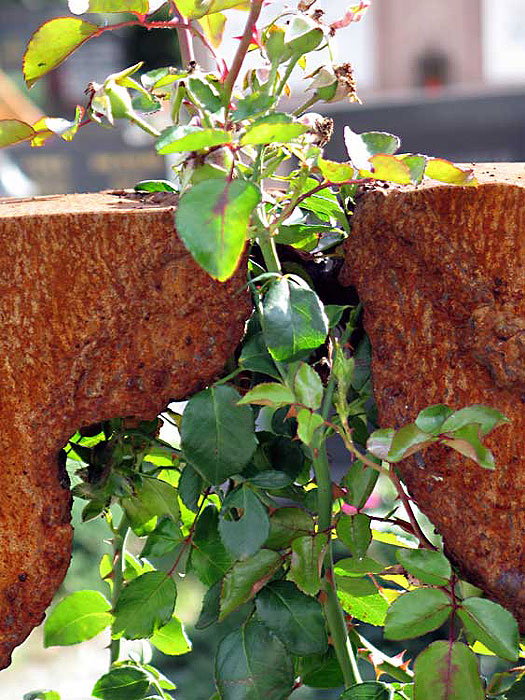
(440, 271)
(103, 313)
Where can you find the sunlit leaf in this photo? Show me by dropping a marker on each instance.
(52, 43)
(361, 147)
(171, 639)
(79, 7)
(122, 683)
(406, 441)
(212, 220)
(144, 605)
(14, 131)
(361, 599)
(445, 171)
(426, 565)
(416, 613)
(494, 626)
(276, 128)
(80, 616)
(269, 394)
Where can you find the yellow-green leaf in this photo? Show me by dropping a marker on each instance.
(52, 43)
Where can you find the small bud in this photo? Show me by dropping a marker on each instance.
(335, 84)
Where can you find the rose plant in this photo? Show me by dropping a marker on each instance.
(244, 499)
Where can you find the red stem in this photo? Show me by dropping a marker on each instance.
(423, 540)
(242, 50)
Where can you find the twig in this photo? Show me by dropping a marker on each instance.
(242, 50)
(423, 539)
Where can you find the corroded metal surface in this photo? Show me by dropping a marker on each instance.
(102, 313)
(440, 271)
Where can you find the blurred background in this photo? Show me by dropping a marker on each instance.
(447, 76)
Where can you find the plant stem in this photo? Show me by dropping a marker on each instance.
(304, 107)
(333, 612)
(119, 563)
(242, 50)
(423, 539)
(187, 54)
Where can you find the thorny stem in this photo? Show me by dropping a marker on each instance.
(423, 539)
(189, 538)
(187, 53)
(242, 50)
(119, 564)
(334, 613)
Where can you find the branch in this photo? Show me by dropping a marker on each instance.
(242, 50)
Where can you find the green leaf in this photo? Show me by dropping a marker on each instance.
(163, 540)
(416, 165)
(177, 139)
(406, 441)
(494, 626)
(269, 394)
(307, 424)
(487, 418)
(335, 172)
(321, 670)
(246, 578)
(212, 220)
(195, 9)
(308, 387)
(357, 566)
(210, 607)
(303, 236)
(171, 639)
(209, 558)
(361, 147)
(155, 186)
(360, 482)
(79, 7)
(144, 605)
(307, 559)
(445, 171)
(80, 616)
(271, 480)
(276, 128)
(517, 692)
(368, 690)
(445, 671)
(255, 357)
(190, 486)
(416, 613)
(245, 536)
(295, 618)
(213, 27)
(14, 131)
(252, 664)
(426, 565)
(286, 524)
(361, 599)
(122, 683)
(52, 43)
(430, 419)
(293, 320)
(42, 695)
(217, 434)
(380, 441)
(466, 441)
(153, 498)
(355, 533)
(251, 105)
